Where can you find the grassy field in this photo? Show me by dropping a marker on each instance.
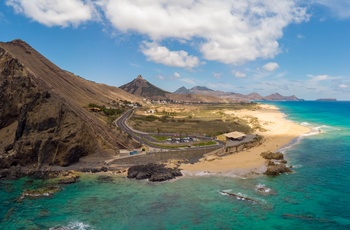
(209, 120)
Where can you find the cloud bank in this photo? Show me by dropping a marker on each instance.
(55, 12)
(226, 31)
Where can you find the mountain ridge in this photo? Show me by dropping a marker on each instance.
(235, 96)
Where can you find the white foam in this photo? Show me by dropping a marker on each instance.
(74, 226)
(314, 130)
(262, 188)
(234, 173)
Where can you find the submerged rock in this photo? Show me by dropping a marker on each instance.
(153, 172)
(41, 192)
(69, 180)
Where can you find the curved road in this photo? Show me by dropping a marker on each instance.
(141, 136)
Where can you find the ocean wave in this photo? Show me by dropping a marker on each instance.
(198, 173)
(314, 130)
(74, 226)
(233, 173)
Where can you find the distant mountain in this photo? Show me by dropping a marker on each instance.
(141, 87)
(326, 99)
(255, 97)
(182, 90)
(201, 88)
(235, 97)
(279, 97)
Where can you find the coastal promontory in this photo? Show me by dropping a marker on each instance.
(43, 114)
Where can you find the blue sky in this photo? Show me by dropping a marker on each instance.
(242, 46)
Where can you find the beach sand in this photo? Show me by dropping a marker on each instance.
(279, 132)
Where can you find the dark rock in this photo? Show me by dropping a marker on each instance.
(141, 175)
(69, 180)
(272, 156)
(162, 176)
(4, 173)
(239, 197)
(104, 169)
(277, 169)
(153, 172)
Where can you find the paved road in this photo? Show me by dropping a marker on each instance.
(141, 137)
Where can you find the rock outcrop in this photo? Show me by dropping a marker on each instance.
(272, 155)
(153, 172)
(276, 164)
(277, 169)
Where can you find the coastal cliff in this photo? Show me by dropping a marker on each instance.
(42, 116)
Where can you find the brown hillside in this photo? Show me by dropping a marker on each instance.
(142, 88)
(42, 114)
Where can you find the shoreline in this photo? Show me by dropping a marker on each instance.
(280, 133)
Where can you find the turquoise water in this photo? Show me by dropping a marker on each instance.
(316, 196)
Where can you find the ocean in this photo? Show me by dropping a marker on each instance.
(316, 196)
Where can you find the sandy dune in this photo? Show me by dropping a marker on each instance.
(279, 132)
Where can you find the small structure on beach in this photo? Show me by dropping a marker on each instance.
(232, 136)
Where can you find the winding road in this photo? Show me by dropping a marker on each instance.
(144, 138)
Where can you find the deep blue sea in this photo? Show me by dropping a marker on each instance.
(316, 196)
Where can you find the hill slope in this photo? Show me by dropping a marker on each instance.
(42, 114)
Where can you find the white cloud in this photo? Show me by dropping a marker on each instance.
(162, 55)
(319, 77)
(342, 86)
(177, 75)
(232, 32)
(55, 12)
(238, 74)
(271, 66)
(340, 8)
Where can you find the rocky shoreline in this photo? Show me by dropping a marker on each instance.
(276, 164)
(153, 172)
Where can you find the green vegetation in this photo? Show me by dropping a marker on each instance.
(206, 120)
(107, 111)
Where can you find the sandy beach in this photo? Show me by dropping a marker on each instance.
(279, 132)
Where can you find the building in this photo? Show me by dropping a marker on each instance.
(232, 136)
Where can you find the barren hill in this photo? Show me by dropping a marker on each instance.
(43, 119)
(234, 97)
(140, 87)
